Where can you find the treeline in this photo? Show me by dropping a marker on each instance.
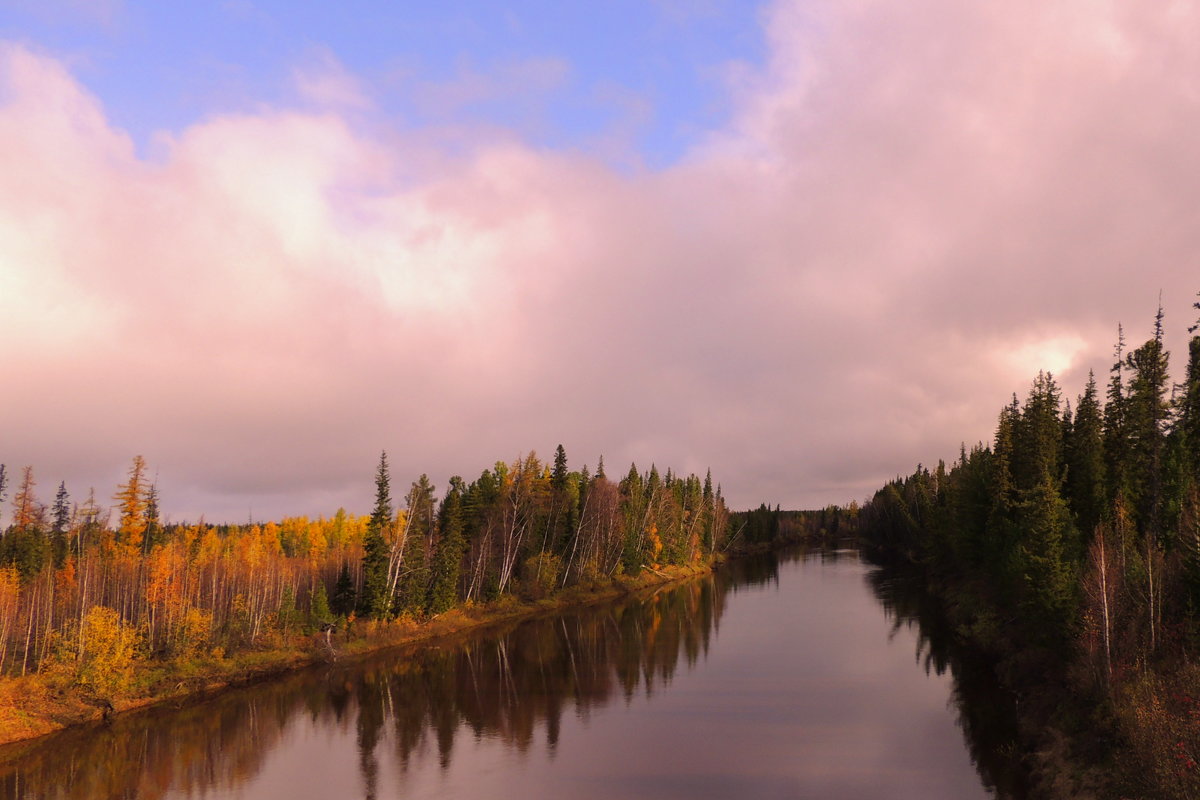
(1071, 545)
(86, 591)
(765, 528)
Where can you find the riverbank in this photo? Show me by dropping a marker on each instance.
(36, 705)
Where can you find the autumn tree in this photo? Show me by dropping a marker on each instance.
(109, 653)
(131, 505)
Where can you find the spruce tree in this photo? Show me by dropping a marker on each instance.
(1189, 408)
(1147, 413)
(60, 522)
(412, 590)
(558, 477)
(344, 594)
(1085, 462)
(375, 599)
(447, 557)
(318, 606)
(1116, 440)
(154, 530)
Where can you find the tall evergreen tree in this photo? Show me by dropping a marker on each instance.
(1085, 461)
(412, 590)
(375, 599)
(59, 524)
(447, 557)
(1116, 439)
(1147, 414)
(1189, 408)
(633, 510)
(318, 606)
(558, 477)
(344, 594)
(154, 530)
(1038, 434)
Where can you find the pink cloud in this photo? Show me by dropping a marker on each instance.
(913, 207)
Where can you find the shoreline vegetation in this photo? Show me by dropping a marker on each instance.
(100, 617)
(36, 709)
(1068, 552)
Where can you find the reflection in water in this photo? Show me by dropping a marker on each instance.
(504, 684)
(806, 695)
(987, 713)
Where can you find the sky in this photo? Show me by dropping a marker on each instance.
(805, 243)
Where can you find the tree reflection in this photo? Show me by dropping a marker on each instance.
(987, 713)
(507, 683)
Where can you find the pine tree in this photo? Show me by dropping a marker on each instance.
(447, 558)
(1085, 462)
(1147, 414)
(706, 530)
(154, 530)
(558, 478)
(412, 590)
(1001, 524)
(1189, 408)
(1050, 587)
(633, 511)
(375, 599)
(60, 522)
(1037, 437)
(318, 606)
(344, 594)
(1116, 440)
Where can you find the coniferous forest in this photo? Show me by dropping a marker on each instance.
(1069, 549)
(109, 603)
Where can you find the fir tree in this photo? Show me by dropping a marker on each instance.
(344, 594)
(318, 606)
(1147, 412)
(558, 478)
(60, 522)
(1085, 462)
(154, 529)
(1189, 409)
(375, 599)
(447, 558)
(412, 590)
(1116, 444)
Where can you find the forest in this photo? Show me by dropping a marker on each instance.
(110, 602)
(1069, 548)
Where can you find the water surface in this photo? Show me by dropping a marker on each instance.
(794, 676)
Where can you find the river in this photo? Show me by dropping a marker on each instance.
(791, 676)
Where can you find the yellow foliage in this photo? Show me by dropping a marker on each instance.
(655, 544)
(109, 653)
(195, 629)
